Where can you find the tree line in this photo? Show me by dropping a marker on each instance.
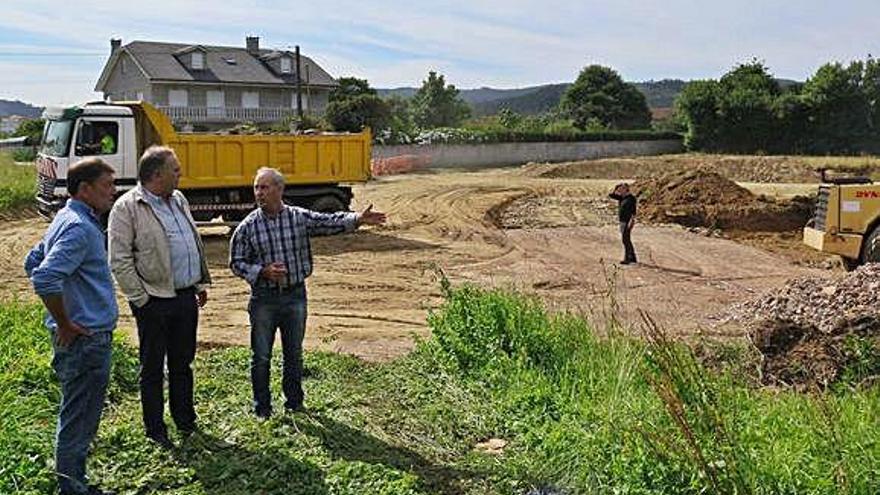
(599, 100)
(836, 111)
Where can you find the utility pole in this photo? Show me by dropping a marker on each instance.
(299, 101)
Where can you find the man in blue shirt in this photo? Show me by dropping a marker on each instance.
(70, 273)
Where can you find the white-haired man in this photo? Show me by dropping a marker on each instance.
(270, 249)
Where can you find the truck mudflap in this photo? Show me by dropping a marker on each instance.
(846, 245)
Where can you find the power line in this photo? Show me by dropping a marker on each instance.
(52, 54)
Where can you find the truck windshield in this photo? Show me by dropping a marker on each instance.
(56, 137)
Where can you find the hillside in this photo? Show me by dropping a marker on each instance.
(8, 107)
(537, 99)
(471, 96)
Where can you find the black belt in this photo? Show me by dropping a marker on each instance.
(190, 289)
(282, 289)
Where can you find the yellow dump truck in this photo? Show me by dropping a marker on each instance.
(846, 220)
(217, 170)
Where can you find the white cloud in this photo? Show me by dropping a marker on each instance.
(481, 42)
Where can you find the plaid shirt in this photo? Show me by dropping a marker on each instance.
(260, 240)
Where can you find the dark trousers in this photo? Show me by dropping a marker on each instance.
(285, 310)
(167, 330)
(629, 252)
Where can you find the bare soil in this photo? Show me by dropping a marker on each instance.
(554, 237)
(704, 198)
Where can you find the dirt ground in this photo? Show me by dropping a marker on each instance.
(524, 228)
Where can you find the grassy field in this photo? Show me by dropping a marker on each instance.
(579, 413)
(17, 184)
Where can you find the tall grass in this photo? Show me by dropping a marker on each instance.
(615, 414)
(29, 398)
(581, 413)
(17, 184)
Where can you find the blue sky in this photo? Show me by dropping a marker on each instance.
(53, 51)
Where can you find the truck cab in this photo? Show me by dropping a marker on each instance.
(846, 220)
(74, 133)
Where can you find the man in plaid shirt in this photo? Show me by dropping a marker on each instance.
(270, 249)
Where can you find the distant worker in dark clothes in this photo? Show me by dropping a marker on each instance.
(626, 214)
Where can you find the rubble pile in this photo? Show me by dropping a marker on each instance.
(812, 330)
(819, 302)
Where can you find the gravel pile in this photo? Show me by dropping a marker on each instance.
(818, 302)
(813, 331)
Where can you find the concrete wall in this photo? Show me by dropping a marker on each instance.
(403, 157)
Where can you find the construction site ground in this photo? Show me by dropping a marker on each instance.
(547, 230)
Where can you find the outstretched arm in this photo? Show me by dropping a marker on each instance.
(370, 217)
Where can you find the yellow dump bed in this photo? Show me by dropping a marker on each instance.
(222, 161)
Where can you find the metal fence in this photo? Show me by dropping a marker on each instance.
(227, 114)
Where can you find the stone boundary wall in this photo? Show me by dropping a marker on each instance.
(403, 158)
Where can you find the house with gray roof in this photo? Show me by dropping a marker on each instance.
(202, 84)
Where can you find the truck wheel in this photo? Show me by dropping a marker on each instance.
(203, 216)
(235, 215)
(849, 264)
(327, 204)
(871, 251)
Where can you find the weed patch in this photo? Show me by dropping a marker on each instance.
(17, 184)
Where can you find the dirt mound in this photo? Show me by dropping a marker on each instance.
(812, 330)
(803, 357)
(776, 169)
(703, 198)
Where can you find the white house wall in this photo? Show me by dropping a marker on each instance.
(126, 86)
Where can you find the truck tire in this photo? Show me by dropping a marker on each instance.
(203, 215)
(871, 250)
(327, 204)
(849, 264)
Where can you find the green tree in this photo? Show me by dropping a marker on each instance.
(697, 107)
(353, 114)
(599, 95)
(400, 118)
(840, 112)
(871, 87)
(792, 113)
(509, 119)
(33, 129)
(350, 87)
(746, 108)
(354, 105)
(437, 104)
(738, 113)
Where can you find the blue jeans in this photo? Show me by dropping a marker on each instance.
(83, 369)
(272, 309)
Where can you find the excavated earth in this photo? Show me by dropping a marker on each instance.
(704, 198)
(811, 329)
(530, 228)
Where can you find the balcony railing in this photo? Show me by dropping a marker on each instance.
(226, 114)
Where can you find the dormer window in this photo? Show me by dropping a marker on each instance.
(285, 65)
(198, 60)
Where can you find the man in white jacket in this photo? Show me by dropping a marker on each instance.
(158, 261)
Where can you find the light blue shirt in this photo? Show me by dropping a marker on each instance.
(186, 268)
(71, 261)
